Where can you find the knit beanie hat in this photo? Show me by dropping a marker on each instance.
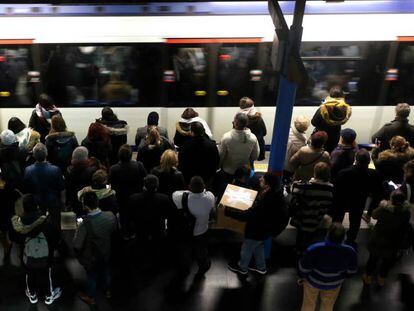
(80, 154)
(8, 137)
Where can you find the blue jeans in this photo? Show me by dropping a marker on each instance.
(100, 272)
(252, 248)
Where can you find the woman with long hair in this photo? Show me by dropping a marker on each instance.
(60, 143)
(155, 145)
(170, 178)
(41, 117)
(98, 143)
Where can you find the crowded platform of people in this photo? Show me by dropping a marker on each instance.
(108, 205)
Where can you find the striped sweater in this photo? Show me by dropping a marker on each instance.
(325, 265)
(309, 203)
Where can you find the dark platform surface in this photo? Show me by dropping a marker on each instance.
(142, 285)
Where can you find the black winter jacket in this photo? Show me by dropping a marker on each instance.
(199, 157)
(397, 127)
(60, 147)
(267, 217)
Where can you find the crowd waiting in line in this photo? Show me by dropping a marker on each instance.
(170, 191)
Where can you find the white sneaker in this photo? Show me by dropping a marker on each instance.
(33, 298)
(57, 292)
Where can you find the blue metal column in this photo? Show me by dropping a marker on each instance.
(284, 108)
(291, 68)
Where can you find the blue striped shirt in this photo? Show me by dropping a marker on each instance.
(325, 265)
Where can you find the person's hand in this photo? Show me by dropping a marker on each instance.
(300, 282)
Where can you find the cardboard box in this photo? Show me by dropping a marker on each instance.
(235, 197)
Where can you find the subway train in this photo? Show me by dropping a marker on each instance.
(167, 56)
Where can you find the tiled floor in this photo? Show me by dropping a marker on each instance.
(140, 284)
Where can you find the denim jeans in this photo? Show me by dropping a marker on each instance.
(252, 248)
(100, 272)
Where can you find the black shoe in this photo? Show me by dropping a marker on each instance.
(236, 268)
(262, 272)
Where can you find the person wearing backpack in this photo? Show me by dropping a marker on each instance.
(267, 217)
(194, 206)
(92, 244)
(36, 252)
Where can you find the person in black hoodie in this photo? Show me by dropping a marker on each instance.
(118, 130)
(267, 217)
(106, 196)
(60, 144)
(199, 156)
(41, 117)
(255, 124)
(34, 229)
(126, 178)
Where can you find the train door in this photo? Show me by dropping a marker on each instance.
(17, 81)
(187, 74)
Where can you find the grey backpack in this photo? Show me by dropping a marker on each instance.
(36, 252)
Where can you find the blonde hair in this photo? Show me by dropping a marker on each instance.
(153, 136)
(169, 160)
(301, 123)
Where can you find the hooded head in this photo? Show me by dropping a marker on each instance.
(153, 119)
(108, 114)
(16, 125)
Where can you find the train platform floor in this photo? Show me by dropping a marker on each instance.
(140, 284)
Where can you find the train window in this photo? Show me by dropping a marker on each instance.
(236, 74)
(358, 68)
(116, 75)
(16, 76)
(402, 76)
(187, 83)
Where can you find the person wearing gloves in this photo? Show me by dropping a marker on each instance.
(42, 115)
(255, 124)
(331, 115)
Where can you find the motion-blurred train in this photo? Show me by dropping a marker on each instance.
(167, 56)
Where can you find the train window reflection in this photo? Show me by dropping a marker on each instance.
(402, 89)
(189, 87)
(16, 88)
(357, 68)
(235, 79)
(100, 75)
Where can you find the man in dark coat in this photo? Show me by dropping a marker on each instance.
(199, 156)
(398, 127)
(352, 188)
(142, 132)
(126, 178)
(149, 209)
